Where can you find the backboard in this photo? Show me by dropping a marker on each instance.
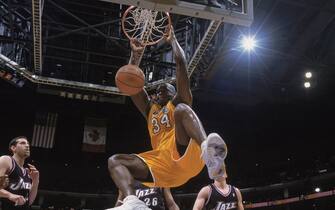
(239, 12)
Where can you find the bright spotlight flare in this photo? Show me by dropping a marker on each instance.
(307, 84)
(308, 74)
(248, 43)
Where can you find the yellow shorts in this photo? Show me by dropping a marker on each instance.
(168, 169)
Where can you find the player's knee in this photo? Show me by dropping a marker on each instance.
(113, 161)
(180, 110)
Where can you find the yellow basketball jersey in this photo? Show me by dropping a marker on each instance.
(161, 126)
(167, 167)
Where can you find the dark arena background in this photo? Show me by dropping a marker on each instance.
(262, 76)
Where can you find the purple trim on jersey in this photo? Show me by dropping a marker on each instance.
(219, 191)
(13, 166)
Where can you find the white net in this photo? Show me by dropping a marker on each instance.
(147, 26)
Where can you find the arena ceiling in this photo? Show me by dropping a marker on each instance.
(83, 42)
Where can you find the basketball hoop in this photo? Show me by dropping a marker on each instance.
(148, 27)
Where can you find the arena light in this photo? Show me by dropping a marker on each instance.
(317, 189)
(308, 75)
(151, 75)
(20, 83)
(248, 43)
(323, 171)
(307, 84)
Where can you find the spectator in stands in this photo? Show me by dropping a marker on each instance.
(219, 195)
(23, 181)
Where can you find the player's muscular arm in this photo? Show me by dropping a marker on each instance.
(141, 100)
(184, 94)
(5, 166)
(170, 203)
(35, 176)
(239, 200)
(137, 50)
(3, 181)
(201, 198)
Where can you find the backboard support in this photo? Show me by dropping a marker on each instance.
(242, 16)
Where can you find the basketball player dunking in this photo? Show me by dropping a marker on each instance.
(176, 135)
(219, 196)
(23, 182)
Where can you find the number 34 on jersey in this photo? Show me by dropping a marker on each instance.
(160, 121)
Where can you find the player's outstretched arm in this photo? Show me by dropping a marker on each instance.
(184, 94)
(141, 100)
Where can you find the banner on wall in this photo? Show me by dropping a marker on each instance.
(95, 132)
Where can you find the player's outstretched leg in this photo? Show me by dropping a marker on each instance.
(214, 149)
(123, 169)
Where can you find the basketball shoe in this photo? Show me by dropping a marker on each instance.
(131, 202)
(214, 151)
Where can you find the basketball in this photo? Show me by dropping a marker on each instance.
(130, 79)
